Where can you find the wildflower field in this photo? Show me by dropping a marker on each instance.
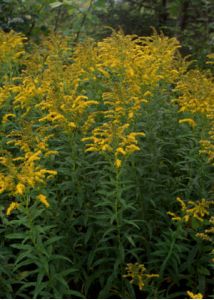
(106, 169)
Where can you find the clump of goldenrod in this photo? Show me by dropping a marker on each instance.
(11, 46)
(138, 275)
(196, 89)
(50, 95)
(192, 209)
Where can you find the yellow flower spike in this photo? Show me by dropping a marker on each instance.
(194, 296)
(118, 163)
(72, 125)
(106, 148)
(120, 150)
(203, 236)
(211, 58)
(147, 94)
(197, 210)
(51, 152)
(189, 121)
(132, 148)
(174, 216)
(91, 149)
(20, 189)
(43, 199)
(6, 117)
(130, 72)
(104, 72)
(152, 275)
(4, 183)
(185, 218)
(12, 207)
(86, 139)
(81, 97)
(42, 145)
(182, 203)
(138, 275)
(144, 101)
(2, 188)
(33, 157)
(130, 115)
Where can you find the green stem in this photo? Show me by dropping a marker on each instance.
(30, 222)
(117, 207)
(118, 214)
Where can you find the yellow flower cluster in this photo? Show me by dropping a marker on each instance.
(210, 59)
(189, 121)
(22, 172)
(50, 96)
(139, 64)
(137, 274)
(42, 98)
(208, 233)
(194, 296)
(14, 205)
(196, 91)
(208, 144)
(11, 53)
(141, 59)
(111, 137)
(52, 91)
(11, 208)
(190, 209)
(11, 46)
(42, 198)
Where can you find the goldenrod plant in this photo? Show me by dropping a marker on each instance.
(106, 169)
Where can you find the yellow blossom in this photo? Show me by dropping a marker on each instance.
(20, 188)
(72, 125)
(5, 117)
(138, 275)
(12, 206)
(120, 150)
(118, 163)
(191, 122)
(192, 209)
(194, 296)
(147, 94)
(43, 199)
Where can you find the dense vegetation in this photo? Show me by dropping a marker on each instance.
(106, 175)
(106, 149)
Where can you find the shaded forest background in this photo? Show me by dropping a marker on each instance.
(191, 21)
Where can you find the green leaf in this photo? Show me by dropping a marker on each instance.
(129, 238)
(203, 271)
(39, 285)
(77, 294)
(16, 235)
(56, 4)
